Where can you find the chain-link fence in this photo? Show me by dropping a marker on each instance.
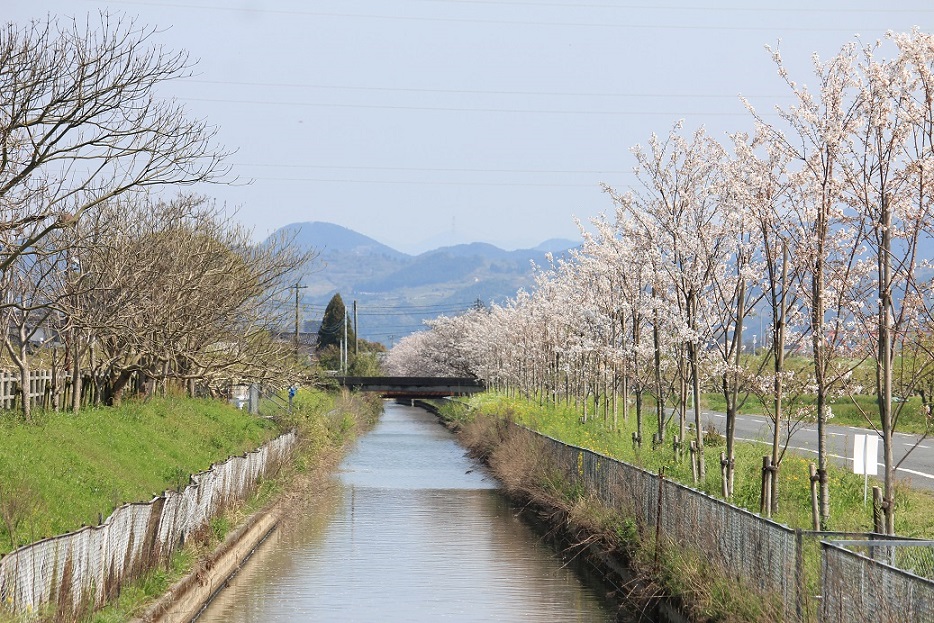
(761, 553)
(871, 579)
(77, 571)
(884, 581)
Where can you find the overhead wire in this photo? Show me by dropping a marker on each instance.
(487, 21)
(291, 85)
(522, 111)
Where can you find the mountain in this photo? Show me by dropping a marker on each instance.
(557, 245)
(396, 292)
(330, 238)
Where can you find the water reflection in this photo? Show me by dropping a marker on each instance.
(411, 530)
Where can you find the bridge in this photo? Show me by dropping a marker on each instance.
(412, 386)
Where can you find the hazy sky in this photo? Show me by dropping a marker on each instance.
(425, 122)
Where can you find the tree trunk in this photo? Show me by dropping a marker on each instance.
(23, 365)
(820, 371)
(731, 388)
(884, 364)
(75, 374)
(683, 398)
(699, 432)
(660, 394)
(779, 307)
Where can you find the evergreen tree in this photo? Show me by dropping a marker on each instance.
(332, 325)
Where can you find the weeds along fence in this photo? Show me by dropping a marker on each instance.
(875, 578)
(76, 572)
(762, 553)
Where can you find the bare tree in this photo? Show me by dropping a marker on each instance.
(176, 290)
(29, 299)
(81, 122)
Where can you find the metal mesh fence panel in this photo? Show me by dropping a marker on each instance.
(85, 568)
(861, 582)
(759, 551)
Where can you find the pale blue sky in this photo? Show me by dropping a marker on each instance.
(425, 122)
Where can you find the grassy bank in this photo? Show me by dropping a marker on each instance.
(326, 423)
(68, 470)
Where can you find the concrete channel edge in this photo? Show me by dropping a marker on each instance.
(188, 597)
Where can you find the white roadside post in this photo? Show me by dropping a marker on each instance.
(865, 459)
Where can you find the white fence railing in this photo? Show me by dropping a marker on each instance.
(78, 571)
(40, 382)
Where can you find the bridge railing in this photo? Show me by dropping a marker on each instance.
(413, 386)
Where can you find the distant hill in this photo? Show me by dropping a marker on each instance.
(556, 245)
(395, 292)
(330, 238)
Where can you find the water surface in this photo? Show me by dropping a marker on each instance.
(409, 530)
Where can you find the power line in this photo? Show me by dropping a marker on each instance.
(423, 183)
(551, 24)
(662, 7)
(440, 306)
(401, 308)
(426, 169)
(522, 111)
(297, 85)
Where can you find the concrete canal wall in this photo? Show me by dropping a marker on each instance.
(190, 595)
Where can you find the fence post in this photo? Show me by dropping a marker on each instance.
(800, 585)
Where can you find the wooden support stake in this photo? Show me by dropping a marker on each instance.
(878, 517)
(765, 505)
(694, 460)
(815, 509)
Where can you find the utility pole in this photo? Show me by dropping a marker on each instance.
(346, 344)
(298, 286)
(356, 334)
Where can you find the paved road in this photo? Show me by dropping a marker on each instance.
(917, 468)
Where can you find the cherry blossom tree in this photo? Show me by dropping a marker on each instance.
(679, 205)
(886, 171)
(818, 125)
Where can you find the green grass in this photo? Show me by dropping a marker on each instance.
(65, 470)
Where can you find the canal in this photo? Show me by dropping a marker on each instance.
(409, 530)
